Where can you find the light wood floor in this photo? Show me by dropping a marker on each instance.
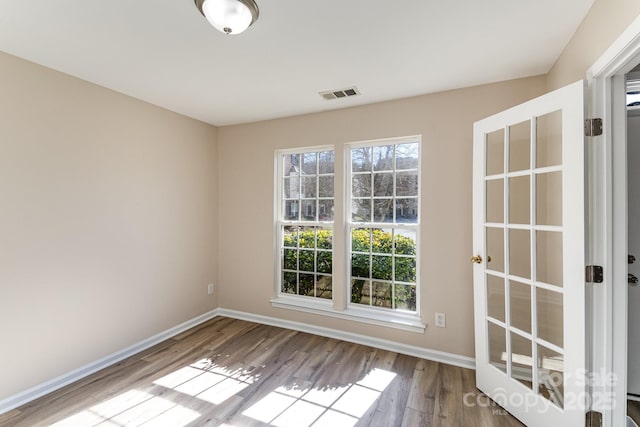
(237, 373)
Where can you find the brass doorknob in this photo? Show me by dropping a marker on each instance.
(477, 259)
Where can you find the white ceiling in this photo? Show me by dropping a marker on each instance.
(165, 52)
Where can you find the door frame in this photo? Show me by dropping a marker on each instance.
(607, 213)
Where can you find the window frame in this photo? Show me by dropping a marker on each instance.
(340, 306)
(350, 225)
(281, 222)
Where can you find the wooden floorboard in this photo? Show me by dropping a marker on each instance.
(237, 373)
(633, 410)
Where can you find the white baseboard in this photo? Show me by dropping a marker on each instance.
(47, 387)
(410, 350)
(40, 390)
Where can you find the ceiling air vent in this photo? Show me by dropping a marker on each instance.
(340, 93)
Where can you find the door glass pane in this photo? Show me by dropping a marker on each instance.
(495, 152)
(520, 307)
(549, 198)
(495, 249)
(551, 375)
(520, 253)
(495, 297)
(495, 200)
(519, 190)
(549, 139)
(497, 347)
(521, 360)
(549, 312)
(520, 146)
(549, 257)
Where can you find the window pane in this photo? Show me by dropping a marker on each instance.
(324, 287)
(361, 185)
(405, 241)
(308, 187)
(289, 283)
(325, 238)
(325, 186)
(383, 184)
(324, 261)
(519, 200)
(497, 346)
(520, 253)
(495, 152)
(495, 200)
(520, 146)
(407, 156)
(291, 210)
(306, 260)
(361, 240)
(495, 297)
(407, 210)
(549, 139)
(381, 267)
(291, 164)
(520, 297)
(360, 291)
(550, 316)
(521, 360)
(382, 295)
(290, 237)
(407, 183)
(308, 210)
(326, 162)
(361, 210)
(383, 158)
(360, 266)
(383, 210)
(325, 209)
(309, 163)
(382, 241)
(292, 187)
(307, 238)
(290, 261)
(405, 269)
(551, 375)
(306, 286)
(405, 298)
(361, 159)
(549, 198)
(549, 268)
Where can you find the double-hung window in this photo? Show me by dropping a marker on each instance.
(306, 223)
(383, 224)
(377, 258)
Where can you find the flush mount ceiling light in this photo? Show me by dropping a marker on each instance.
(229, 16)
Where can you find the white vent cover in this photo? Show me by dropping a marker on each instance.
(339, 93)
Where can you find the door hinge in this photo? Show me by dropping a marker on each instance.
(593, 127)
(594, 274)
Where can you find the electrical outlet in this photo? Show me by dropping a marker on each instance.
(210, 288)
(440, 320)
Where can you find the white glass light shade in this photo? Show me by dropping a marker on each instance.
(230, 16)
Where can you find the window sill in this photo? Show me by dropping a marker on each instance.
(405, 322)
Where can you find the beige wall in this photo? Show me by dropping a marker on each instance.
(108, 218)
(445, 121)
(606, 20)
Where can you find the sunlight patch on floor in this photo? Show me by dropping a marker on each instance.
(330, 406)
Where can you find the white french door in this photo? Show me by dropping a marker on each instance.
(529, 247)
